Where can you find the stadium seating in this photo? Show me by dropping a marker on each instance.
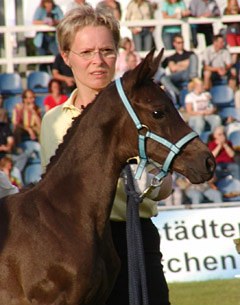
(205, 135)
(233, 112)
(38, 81)
(10, 84)
(9, 103)
(230, 188)
(234, 137)
(222, 96)
(40, 103)
(182, 96)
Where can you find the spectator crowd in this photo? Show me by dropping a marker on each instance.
(192, 81)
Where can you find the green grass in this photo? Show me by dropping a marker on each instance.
(221, 292)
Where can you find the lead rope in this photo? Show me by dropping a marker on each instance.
(137, 283)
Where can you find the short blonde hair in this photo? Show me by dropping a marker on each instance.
(80, 17)
(195, 81)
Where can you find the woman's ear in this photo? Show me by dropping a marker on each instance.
(65, 56)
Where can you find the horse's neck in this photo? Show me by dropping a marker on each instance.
(85, 175)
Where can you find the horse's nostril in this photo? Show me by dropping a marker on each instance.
(210, 163)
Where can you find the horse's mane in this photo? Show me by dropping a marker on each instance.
(68, 135)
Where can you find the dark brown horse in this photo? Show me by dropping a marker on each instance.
(55, 242)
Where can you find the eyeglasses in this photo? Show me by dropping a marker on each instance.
(89, 54)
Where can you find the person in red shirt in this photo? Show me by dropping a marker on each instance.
(56, 97)
(224, 153)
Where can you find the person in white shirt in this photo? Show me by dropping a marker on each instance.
(6, 187)
(200, 108)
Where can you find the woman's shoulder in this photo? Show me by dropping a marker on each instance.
(57, 9)
(189, 96)
(18, 107)
(52, 114)
(39, 13)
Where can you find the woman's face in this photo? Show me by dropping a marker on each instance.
(93, 73)
(55, 88)
(29, 100)
(48, 6)
(198, 88)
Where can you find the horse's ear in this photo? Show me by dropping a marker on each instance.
(145, 70)
(156, 62)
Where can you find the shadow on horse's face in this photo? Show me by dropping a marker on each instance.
(155, 110)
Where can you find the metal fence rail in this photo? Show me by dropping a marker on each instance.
(10, 59)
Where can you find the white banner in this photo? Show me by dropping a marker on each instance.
(197, 245)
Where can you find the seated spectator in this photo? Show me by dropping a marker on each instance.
(142, 36)
(45, 42)
(56, 97)
(199, 193)
(200, 108)
(224, 153)
(183, 66)
(112, 6)
(26, 118)
(126, 47)
(216, 62)
(233, 83)
(8, 148)
(61, 71)
(176, 198)
(6, 135)
(6, 166)
(175, 9)
(74, 4)
(131, 60)
(207, 9)
(233, 28)
(6, 187)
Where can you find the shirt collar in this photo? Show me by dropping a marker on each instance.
(69, 104)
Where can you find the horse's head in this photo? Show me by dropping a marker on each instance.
(161, 127)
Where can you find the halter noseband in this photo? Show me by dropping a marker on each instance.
(174, 148)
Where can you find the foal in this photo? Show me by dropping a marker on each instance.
(55, 242)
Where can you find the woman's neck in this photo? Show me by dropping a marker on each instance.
(84, 97)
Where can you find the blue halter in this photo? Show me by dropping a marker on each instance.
(174, 148)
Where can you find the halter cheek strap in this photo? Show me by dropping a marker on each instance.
(174, 148)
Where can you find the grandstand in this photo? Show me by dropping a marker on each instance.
(16, 59)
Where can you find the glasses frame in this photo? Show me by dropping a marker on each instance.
(89, 55)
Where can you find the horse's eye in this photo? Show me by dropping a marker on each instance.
(157, 114)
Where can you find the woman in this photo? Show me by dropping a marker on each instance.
(55, 97)
(26, 118)
(88, 41)
(113, 6)
(233, 28)
(173, 9)
(224, 153)
(45, 42)
(200, 108)
(127, 47)
(142, 36)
